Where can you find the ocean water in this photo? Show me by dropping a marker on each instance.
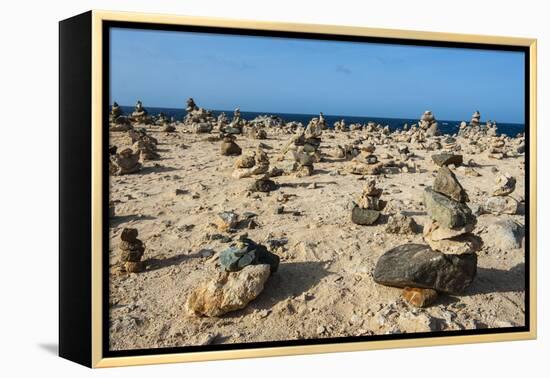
(446, 126)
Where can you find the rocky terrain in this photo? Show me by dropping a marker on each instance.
(234, 231)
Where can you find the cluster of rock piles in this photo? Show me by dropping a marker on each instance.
(449, 263)
(236, 125)
(198, 119)
(140, 114)
(365, 163)
(501, 202)
(255, 163)
(369, 205)
(451, 220)
(131, 251)
(245, 268)
(340, 126)
(429, 124)
(117, 121)
(305, 147)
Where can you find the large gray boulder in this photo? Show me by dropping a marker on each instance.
(417, 265)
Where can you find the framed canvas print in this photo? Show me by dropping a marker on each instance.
(235, 189)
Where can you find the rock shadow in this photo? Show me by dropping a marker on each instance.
(154, 263)
(291, 280)
(118, 220)
(490, 280)
(295, 185)
(158, 169)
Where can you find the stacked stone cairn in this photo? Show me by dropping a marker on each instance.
(501, 202)
(131, 251)
(140, 115)
(229, 147)
(144, 144)
(117, 121)
(305, 147)
(368, 207)
(245, 268)
(429, 124)
(366, 162)
(449, 229)
(450, 265)
(124, 162)
(340, 126)
(237, 123)
(255, 163)
(200, 120)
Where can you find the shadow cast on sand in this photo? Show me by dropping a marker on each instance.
(291, 280)
(498, 281)
(156, 263)
(121, 219)
(305, 184)
(155, 169)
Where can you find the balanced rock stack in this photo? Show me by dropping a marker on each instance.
(200, 120)
(340, 125)
(449, 230)
(475, 119)
(124, 162)
(118, 122)
(139, 114)
(237, 123)
(246, 267)
(369, 205)
(366, 163)
(229, 147)
(306, 150)
(251, 164)
(429, 124)
(497, 149)
(131, 251)
(449, 264)
(501, 202)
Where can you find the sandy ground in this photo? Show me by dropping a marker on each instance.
(324, 286)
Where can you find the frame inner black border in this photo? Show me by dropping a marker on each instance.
(107, 25)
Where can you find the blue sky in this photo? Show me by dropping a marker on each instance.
(285, 75)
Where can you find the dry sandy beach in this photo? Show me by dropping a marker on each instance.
(324, 284)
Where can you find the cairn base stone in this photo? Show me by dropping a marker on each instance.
(417, 265)
(228, 291)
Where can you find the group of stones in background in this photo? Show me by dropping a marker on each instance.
(305, 147)
(448, 264)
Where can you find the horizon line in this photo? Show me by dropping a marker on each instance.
(314, 114)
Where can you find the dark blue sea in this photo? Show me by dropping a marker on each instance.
(446, 126)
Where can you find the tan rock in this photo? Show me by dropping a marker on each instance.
(419, 297)
(458, 245)
(435, 232)
(228, 291)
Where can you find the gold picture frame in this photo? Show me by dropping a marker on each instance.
(94, 26)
